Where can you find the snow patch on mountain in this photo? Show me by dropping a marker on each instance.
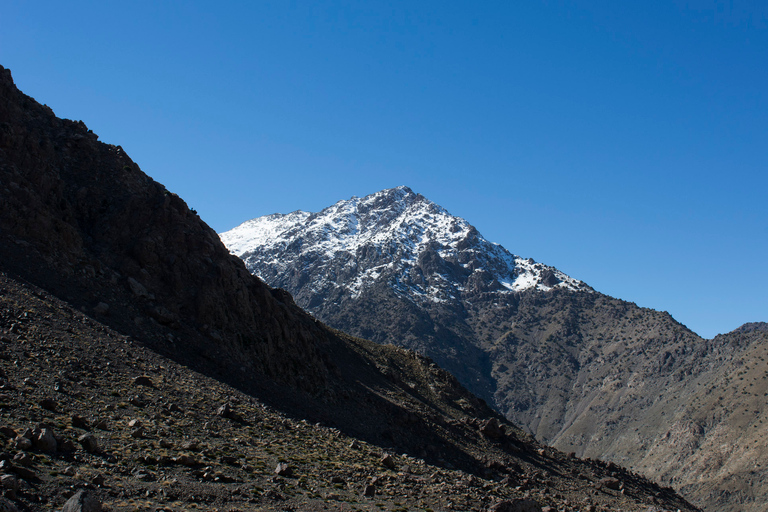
(393, 234)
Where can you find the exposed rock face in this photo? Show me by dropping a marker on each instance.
(82, 501)
(79, 217)
(582, 371)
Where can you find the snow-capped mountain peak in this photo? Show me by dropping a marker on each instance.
(393, 237)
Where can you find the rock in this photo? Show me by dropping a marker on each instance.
(135, 423)
(491, 429)
(89, 443)
(22, 443)
(7, 505)
(102, 308)
(495, 465)
(283, 469)
(510, 481)
(369, 491)
(137, 433)
(79, 421)
(48, 404)
(143, 380)
(67, 446)
(10, 483)
(82, 501)
(70, 471)
(163, 315)
(144, 475)
(8, 432)
(44, 440)
(185, 460)
(192, 446)
(516, 505)
(138, 401)
(225, 411)
(102, 424)
(138, 289)
(611, 483)
(388, 461)
(148, 460)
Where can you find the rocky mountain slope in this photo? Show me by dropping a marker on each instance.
(582, 371)
(393, 251)
(141, 362)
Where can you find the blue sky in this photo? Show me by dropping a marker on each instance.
(625, 143)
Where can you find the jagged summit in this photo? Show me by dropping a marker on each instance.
(422, 251)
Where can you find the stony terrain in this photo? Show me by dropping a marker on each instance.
(143, 364)
(582, 371)
(167, 438)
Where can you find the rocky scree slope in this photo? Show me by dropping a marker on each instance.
(582, 371)
(152, 282)
(84, 408)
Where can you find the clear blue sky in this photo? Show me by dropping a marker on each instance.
(625, 143)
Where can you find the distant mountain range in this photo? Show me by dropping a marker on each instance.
(582, 371)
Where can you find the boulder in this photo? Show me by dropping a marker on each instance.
(82, 501)
(22, 443)
(388, 461)
(284, 469)
(611, 483)
(79, 422)
(491, 429)
(44, 440)
(89, 443)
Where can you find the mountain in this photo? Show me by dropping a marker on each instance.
(394, 252)
(141, 363)
(582, 371)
